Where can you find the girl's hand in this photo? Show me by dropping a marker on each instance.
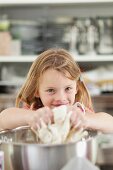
(89, 118)
(78, 114)
(81, 116)
(44, 113)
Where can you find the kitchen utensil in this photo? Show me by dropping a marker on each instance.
(25, 30)
(21, 152)
(105, 28)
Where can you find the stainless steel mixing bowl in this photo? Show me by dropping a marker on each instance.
(21, 152)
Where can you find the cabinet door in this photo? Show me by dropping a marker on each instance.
(103, 103)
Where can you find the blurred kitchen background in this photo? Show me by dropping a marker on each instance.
(85, 28)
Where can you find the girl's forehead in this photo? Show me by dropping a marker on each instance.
(55, 77)
(54, 73)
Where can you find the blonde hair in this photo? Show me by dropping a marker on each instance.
(60, 60)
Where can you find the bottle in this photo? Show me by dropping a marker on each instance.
(1, 160)
(5, 37)
(82, 44)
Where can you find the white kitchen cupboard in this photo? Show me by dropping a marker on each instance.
(35, 9)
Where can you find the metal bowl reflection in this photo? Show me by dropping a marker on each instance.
(21, 152)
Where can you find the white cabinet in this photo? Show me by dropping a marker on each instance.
(35, 9)
(23, 2)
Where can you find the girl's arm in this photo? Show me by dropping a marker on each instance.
(14, 117)
(100, 121)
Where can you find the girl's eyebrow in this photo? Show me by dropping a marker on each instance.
(55, 87)
(69, 85)
(49, 87)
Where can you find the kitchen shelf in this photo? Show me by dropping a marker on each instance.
(24, 58)
(45, 10)
(29, 2)
(11, 83)
(82, 58)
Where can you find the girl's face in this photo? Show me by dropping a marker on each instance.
(55, 89)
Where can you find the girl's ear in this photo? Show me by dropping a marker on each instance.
(36, 94)
(76, 87)
(76, 90)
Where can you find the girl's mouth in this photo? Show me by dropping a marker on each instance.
(57, 105)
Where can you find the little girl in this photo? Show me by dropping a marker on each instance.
(54, 79)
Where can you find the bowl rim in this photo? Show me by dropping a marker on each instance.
(39, 144)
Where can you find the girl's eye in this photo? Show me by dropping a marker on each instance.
(68, 89)
(51, 91)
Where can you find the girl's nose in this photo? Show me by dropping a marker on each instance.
(60, 96)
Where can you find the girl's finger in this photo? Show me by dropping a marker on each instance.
(87, 110)
(77, 115)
